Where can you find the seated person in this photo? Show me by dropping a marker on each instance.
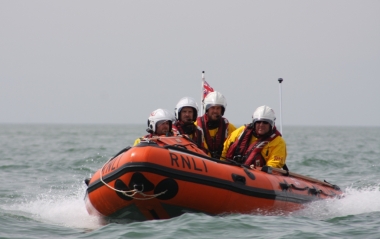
(186, 113)
(215, 127)
(258, 143)
(159, 123)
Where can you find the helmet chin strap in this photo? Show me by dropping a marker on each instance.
(149, 130)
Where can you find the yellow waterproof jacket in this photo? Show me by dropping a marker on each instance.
(231, 128)
(274, 152)
(137, 141)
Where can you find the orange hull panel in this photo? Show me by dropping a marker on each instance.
(171, 180)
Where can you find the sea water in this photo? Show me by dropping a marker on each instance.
(42, 168)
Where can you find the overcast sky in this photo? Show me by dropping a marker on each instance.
(116, 61)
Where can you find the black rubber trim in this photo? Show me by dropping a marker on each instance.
(199, 179)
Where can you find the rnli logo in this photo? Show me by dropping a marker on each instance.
(277, 158)
(112, 165)
(185, 161)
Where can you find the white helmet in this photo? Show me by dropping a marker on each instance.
(186, 102)
(159, 115)
(214, 99)
(264, 113)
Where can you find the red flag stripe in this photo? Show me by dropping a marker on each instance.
(206, 89)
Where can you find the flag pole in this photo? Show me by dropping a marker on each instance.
(202, 89)
(280, 81)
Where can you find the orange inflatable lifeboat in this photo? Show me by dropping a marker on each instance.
(164, 177)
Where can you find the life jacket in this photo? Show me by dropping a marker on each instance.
(214, 144)
(196, 136)
(244, 152)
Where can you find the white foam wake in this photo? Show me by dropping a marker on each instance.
(59, 209)
(355, 201)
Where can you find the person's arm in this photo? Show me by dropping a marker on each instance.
(230, 140)
(226, 146)
(231, 128)
(276, 151)
(137, 141)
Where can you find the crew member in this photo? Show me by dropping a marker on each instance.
(215, 127)
(159, 123)
(186, 113)
(258, 143)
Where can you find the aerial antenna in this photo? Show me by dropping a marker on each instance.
(280, 81)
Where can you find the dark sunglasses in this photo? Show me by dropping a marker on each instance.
(264, 122)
